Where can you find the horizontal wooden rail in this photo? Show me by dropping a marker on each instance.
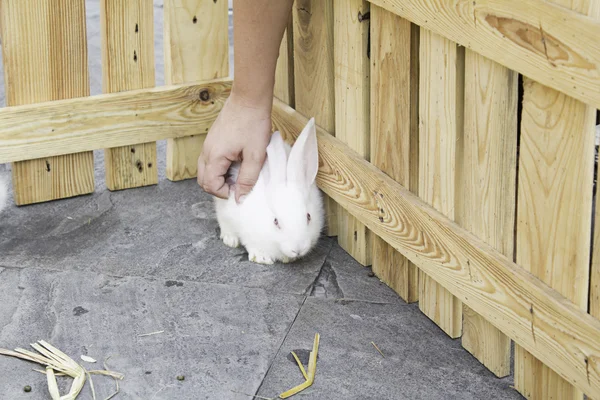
(524, 308)
(109, 120)
(550, 44)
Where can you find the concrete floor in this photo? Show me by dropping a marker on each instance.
(91, 274)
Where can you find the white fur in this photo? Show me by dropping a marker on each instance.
(3, 193)
(285, 190)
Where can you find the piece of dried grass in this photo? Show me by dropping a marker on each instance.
(312, 369)
(87, 359)
(377, 348)
(56, 360)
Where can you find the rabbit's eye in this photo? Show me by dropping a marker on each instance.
(276, 222)
(308, 217)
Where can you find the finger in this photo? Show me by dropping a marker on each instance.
(214, 177)
(249, 170)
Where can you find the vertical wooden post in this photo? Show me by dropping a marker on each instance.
(196, 48)
(440, 121)
(127, 28)
(284, 73)
(352, 107)
(45, 58)
(488, 183)
(394, 129)
(556, 171)
(313, 73)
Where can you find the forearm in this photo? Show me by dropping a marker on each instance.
(258, 27)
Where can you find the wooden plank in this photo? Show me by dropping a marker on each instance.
(196, 48)
(488, 182)
(284, 72)
(394, 80)
(440, 107)
(127, 31)
(314, 73)
(535, 316)
(556, 172)
(45, 58)
(109, 120)
(352, 107)
(543, 41)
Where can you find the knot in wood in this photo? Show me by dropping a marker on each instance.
(204, 95)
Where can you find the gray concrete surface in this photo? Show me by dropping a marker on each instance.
(91, 274)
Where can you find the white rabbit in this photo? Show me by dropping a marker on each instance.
(281, 219)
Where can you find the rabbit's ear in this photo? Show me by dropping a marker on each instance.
(303, 163)
(277, 159)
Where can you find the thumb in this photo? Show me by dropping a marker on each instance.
(252, 163)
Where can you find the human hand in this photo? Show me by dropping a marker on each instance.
(240, 133)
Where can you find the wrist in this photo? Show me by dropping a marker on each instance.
(258, 99)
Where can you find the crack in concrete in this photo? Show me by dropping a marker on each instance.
(262, 381)
(326, 285)
(311, 286)
(344, 300)
(306, 292)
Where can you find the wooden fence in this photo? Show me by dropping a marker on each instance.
(456, 143)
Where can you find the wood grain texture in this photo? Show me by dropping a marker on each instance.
(543, 41)
(127, 32)
(556, 172)
(394, 80)
(196, 48)
(488, 185)
(523, 307)
(109, 120)
(352, 107)
(440, 124)
(45, 58)
(314, 73)
(554, 210)
(284, 72)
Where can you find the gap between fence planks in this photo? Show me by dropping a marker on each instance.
(45, 58)
(394, 111)
(284, 71)
(546, 42)
(523, 307)
(196, 43)
(109, 120)
(314, 74)
(127, 31)
(352, 107)
(594, 304)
